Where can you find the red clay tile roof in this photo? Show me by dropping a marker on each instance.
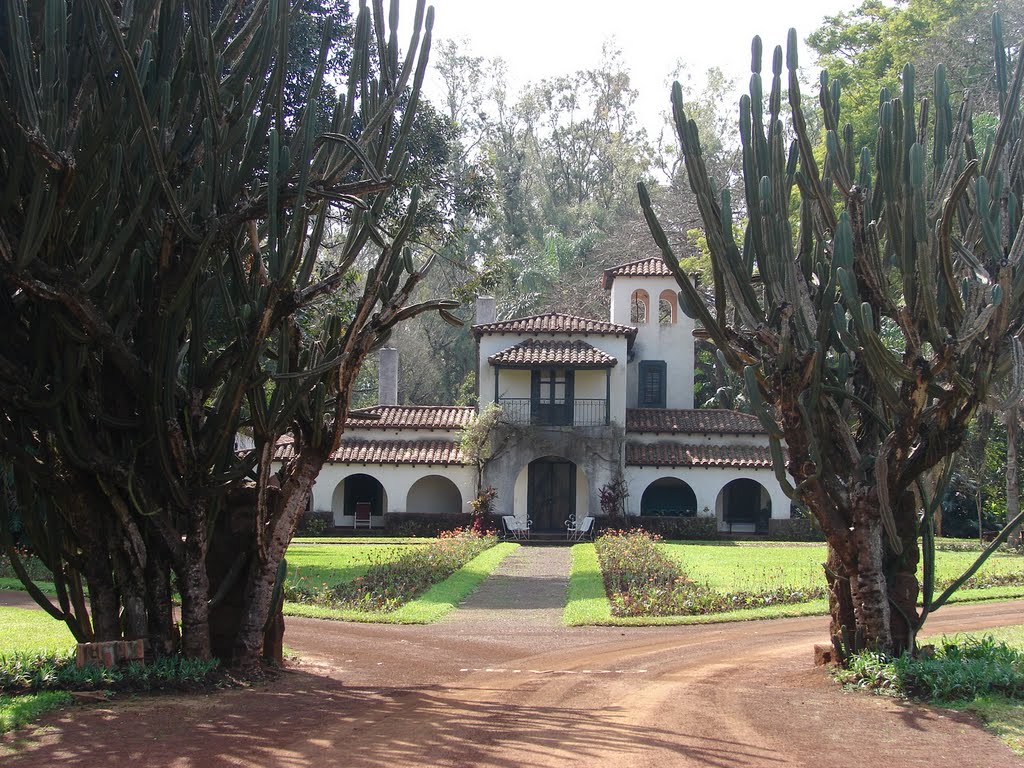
(410, 417)
(577, 354)
(653, 266)
(555, 322)
(676, 455)
(356, 451)
(693, 420)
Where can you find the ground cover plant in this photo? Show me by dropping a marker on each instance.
(394, 579)
(981, 673)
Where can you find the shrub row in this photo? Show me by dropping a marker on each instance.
(962, 668)
(686, 528)
(315, 523)
(425, 525)
(387, 586)
(25, 673)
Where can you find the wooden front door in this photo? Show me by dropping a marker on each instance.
(551, 497)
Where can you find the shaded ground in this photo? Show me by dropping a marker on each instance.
(502, 683)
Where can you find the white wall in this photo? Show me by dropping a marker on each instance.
(397, 481)
(672, 343)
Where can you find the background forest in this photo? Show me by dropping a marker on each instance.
(535, 195)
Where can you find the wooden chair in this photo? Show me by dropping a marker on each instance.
(363, 517)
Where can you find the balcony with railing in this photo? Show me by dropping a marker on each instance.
(577, 412)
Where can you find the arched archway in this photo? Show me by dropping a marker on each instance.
(358, 489)
(745, 503)
(434, 495)
(639, 306)
(669, 496)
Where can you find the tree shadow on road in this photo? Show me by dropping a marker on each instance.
(306, 719)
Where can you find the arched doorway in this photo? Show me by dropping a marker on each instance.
(358, 489)
(745, 503)
(551, 493)
(434, 495)
(669, 496)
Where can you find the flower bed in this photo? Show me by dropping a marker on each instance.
(642, 581)
(644, 578)
(387, 586)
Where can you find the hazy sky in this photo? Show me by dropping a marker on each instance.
(543, 38)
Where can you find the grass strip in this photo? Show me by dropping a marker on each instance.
(16, 711)
(15, 585)
(431, 606)
(587, 601)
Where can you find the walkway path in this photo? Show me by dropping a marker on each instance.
(528, 588)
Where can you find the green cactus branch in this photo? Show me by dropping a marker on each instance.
(890, 303)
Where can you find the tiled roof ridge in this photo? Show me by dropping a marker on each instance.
(536, 324)
(649, 266)
(574, 352)
(411, 416)
(360, 450)
(692, 420)
(670, 454)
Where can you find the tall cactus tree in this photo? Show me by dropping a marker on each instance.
(874, 297)
(165, 286)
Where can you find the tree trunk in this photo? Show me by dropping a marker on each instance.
(284, 510)
(843, 624)
(162, 631)
(194, 584)
(1012, 470)
(903, 584)
(867, 578)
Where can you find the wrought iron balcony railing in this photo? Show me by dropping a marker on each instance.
(578, 412)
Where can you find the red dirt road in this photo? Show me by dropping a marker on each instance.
(471, 692)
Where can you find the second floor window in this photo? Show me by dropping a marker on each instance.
(651, 387)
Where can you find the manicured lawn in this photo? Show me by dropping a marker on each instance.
(30, 631)
(314, 565)
(27, 630)
(752, 567)
(756, 567)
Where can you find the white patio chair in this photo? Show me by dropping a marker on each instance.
(514, 529)
(578, 530)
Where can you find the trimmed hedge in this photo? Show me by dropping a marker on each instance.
(688, 528)
(315, 523)
(794, 529)
(425, 525)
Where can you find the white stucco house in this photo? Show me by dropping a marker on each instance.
(583, 402)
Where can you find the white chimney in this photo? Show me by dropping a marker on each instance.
(484, 309)
(387, 376)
